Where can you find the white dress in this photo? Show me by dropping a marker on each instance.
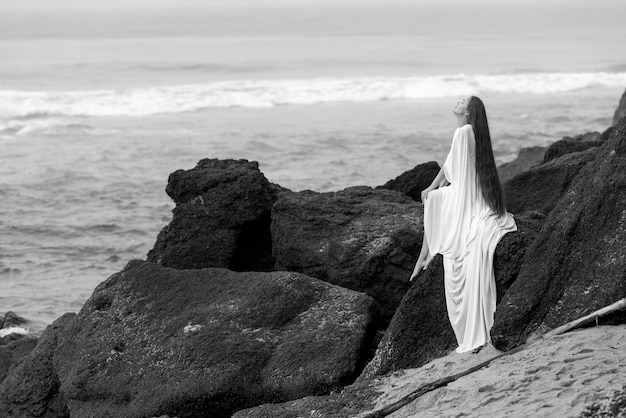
(460, 225)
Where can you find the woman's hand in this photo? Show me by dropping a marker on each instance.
(415, 273)
(420, 265)
(426, 191)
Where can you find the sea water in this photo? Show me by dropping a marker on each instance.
(98, 106)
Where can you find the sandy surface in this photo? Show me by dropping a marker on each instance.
(558, 377)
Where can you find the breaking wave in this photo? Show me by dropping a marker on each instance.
(269, 93)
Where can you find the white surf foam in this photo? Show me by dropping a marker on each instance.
(13, 330)
(269, 93)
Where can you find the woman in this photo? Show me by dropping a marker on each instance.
(464, 218)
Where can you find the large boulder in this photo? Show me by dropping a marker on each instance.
(620, 112)
(14, 346)
(577, 263)
(13, 351)
(526, 158)
(541, 187)
(153, 341)
(221, 218)
(351, 402)
(31, 389)
(420, 330)
(359, 238)
(11, 319)
(412, 182)
(568, 145)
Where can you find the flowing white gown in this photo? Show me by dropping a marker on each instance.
(460, 225)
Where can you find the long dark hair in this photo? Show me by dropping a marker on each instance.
(486, 172)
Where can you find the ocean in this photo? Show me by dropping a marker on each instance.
(98, 106)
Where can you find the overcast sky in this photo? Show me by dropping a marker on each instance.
(83, 4)
(89, 4)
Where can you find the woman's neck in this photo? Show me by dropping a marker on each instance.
(461, 120)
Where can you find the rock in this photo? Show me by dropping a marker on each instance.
(576, 265)
(412, 182)
(541, 187)
(511, 251)
(221, 218)
(420, 330)
(348, 403)
(13, 352)
(606, 134)
(31, 389)
(569, 145)
(526, 158)
(251, 338)
(359, 238)
(620, 112)
(11, 319)
(11, 337)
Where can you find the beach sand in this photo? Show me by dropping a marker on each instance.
(557, 377)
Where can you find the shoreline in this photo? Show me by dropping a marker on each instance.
(280, 172)
(308, 294)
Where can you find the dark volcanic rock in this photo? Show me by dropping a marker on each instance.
(511, 251)
(541, 187)
(420, 330)
(526, 158)
(620, 112)
(12, 353)
(577, 263)
(606, 134)
(11, 337)
(359, 238)
(221, 219)
(31, 389)
(11, 319)
(157, 341)
(412, 182)
(350, 402)
(569, 145)
(15, 346)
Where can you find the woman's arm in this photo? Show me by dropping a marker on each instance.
(439, 181)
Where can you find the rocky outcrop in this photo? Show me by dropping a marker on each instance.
(31, 389)
(13, 351)
(620, 112)
(11, 319)
(359, 238)
(420, 330)
(541, 187)
(511, 251)
(412, 182)
(14, 346)
(569, 145)
(154, 340)
(351, 402)
(221, 218)
(577, 263)
(526, 158)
